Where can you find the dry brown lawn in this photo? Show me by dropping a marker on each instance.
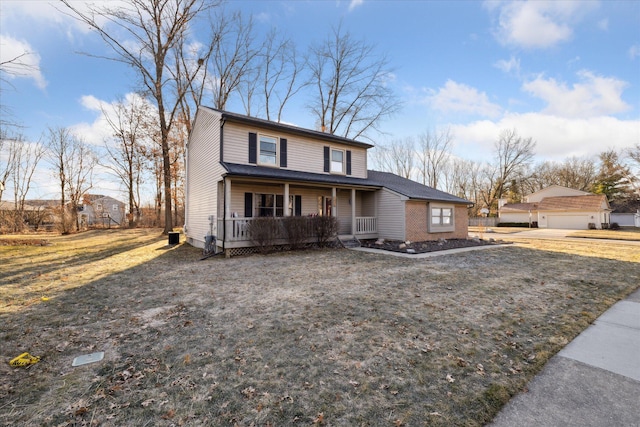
(318, 337)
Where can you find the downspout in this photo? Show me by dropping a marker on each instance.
(186, 188)
(224, 190)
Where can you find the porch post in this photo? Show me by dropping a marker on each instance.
(334, 202)
(353, 211)
(227, 198)
(285, 202)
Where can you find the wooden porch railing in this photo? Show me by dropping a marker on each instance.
(366, 225)
(237, 229)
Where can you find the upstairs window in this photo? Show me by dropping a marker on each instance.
(337, 161)
(268, 150)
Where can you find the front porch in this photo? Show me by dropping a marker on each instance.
(244, 202)
(236, 231)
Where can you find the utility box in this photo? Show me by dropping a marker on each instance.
(174, 238)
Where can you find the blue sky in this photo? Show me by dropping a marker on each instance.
(566, 73)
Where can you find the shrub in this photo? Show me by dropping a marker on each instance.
(326, 227)
(263, 232)
(296, 230)
(614, 226)
(514, 224)
(592, 226)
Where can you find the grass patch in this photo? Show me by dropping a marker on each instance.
(331, 337)
(621, 234)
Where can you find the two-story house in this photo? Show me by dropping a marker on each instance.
(240, 168)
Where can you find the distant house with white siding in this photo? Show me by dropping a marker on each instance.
(240, 168)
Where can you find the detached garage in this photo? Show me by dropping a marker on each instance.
(574, 212)
(560, 207)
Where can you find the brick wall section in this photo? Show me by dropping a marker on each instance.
(416, 223)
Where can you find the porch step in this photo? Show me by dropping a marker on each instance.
(349, 242)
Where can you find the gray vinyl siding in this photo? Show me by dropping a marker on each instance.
(309, 198)
(390, 215)
(203, 174)
(367, 203)
(344, 212)
(303, 154)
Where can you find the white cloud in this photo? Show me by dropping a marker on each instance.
(512, 65)
(634, 51)
(603, 24)
(355, 3)
(20, 61)
(557, 137)
(458, 97)
(96, 132)
(537, 24)
(593, 96)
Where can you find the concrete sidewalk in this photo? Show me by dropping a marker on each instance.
(593, 381)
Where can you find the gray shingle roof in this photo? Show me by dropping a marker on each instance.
(412, 189)
(375, 179)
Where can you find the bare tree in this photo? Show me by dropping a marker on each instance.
(352, 83)
(132, 127)
(433, 155)
(143, 36)
(513, 153)
(397, 157)
(574, 172)
(28, 156)
(73, 163)
(634, 155)
(280, 73)
(59, 145)
(7, 158)
(232, 55)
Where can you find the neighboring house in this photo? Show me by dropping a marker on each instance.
(558, 207)
(626, 213)
(102, 210)
(240, 168)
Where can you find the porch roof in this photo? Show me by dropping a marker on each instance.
(239, 170)
(375, 179)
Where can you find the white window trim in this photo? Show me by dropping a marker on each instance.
(259, 150)
(440, 228)
(344, 161)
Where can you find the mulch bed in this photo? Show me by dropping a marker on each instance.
(426, 246)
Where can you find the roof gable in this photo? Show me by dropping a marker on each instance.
(554, 191)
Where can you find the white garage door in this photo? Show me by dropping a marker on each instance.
(571, 222)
